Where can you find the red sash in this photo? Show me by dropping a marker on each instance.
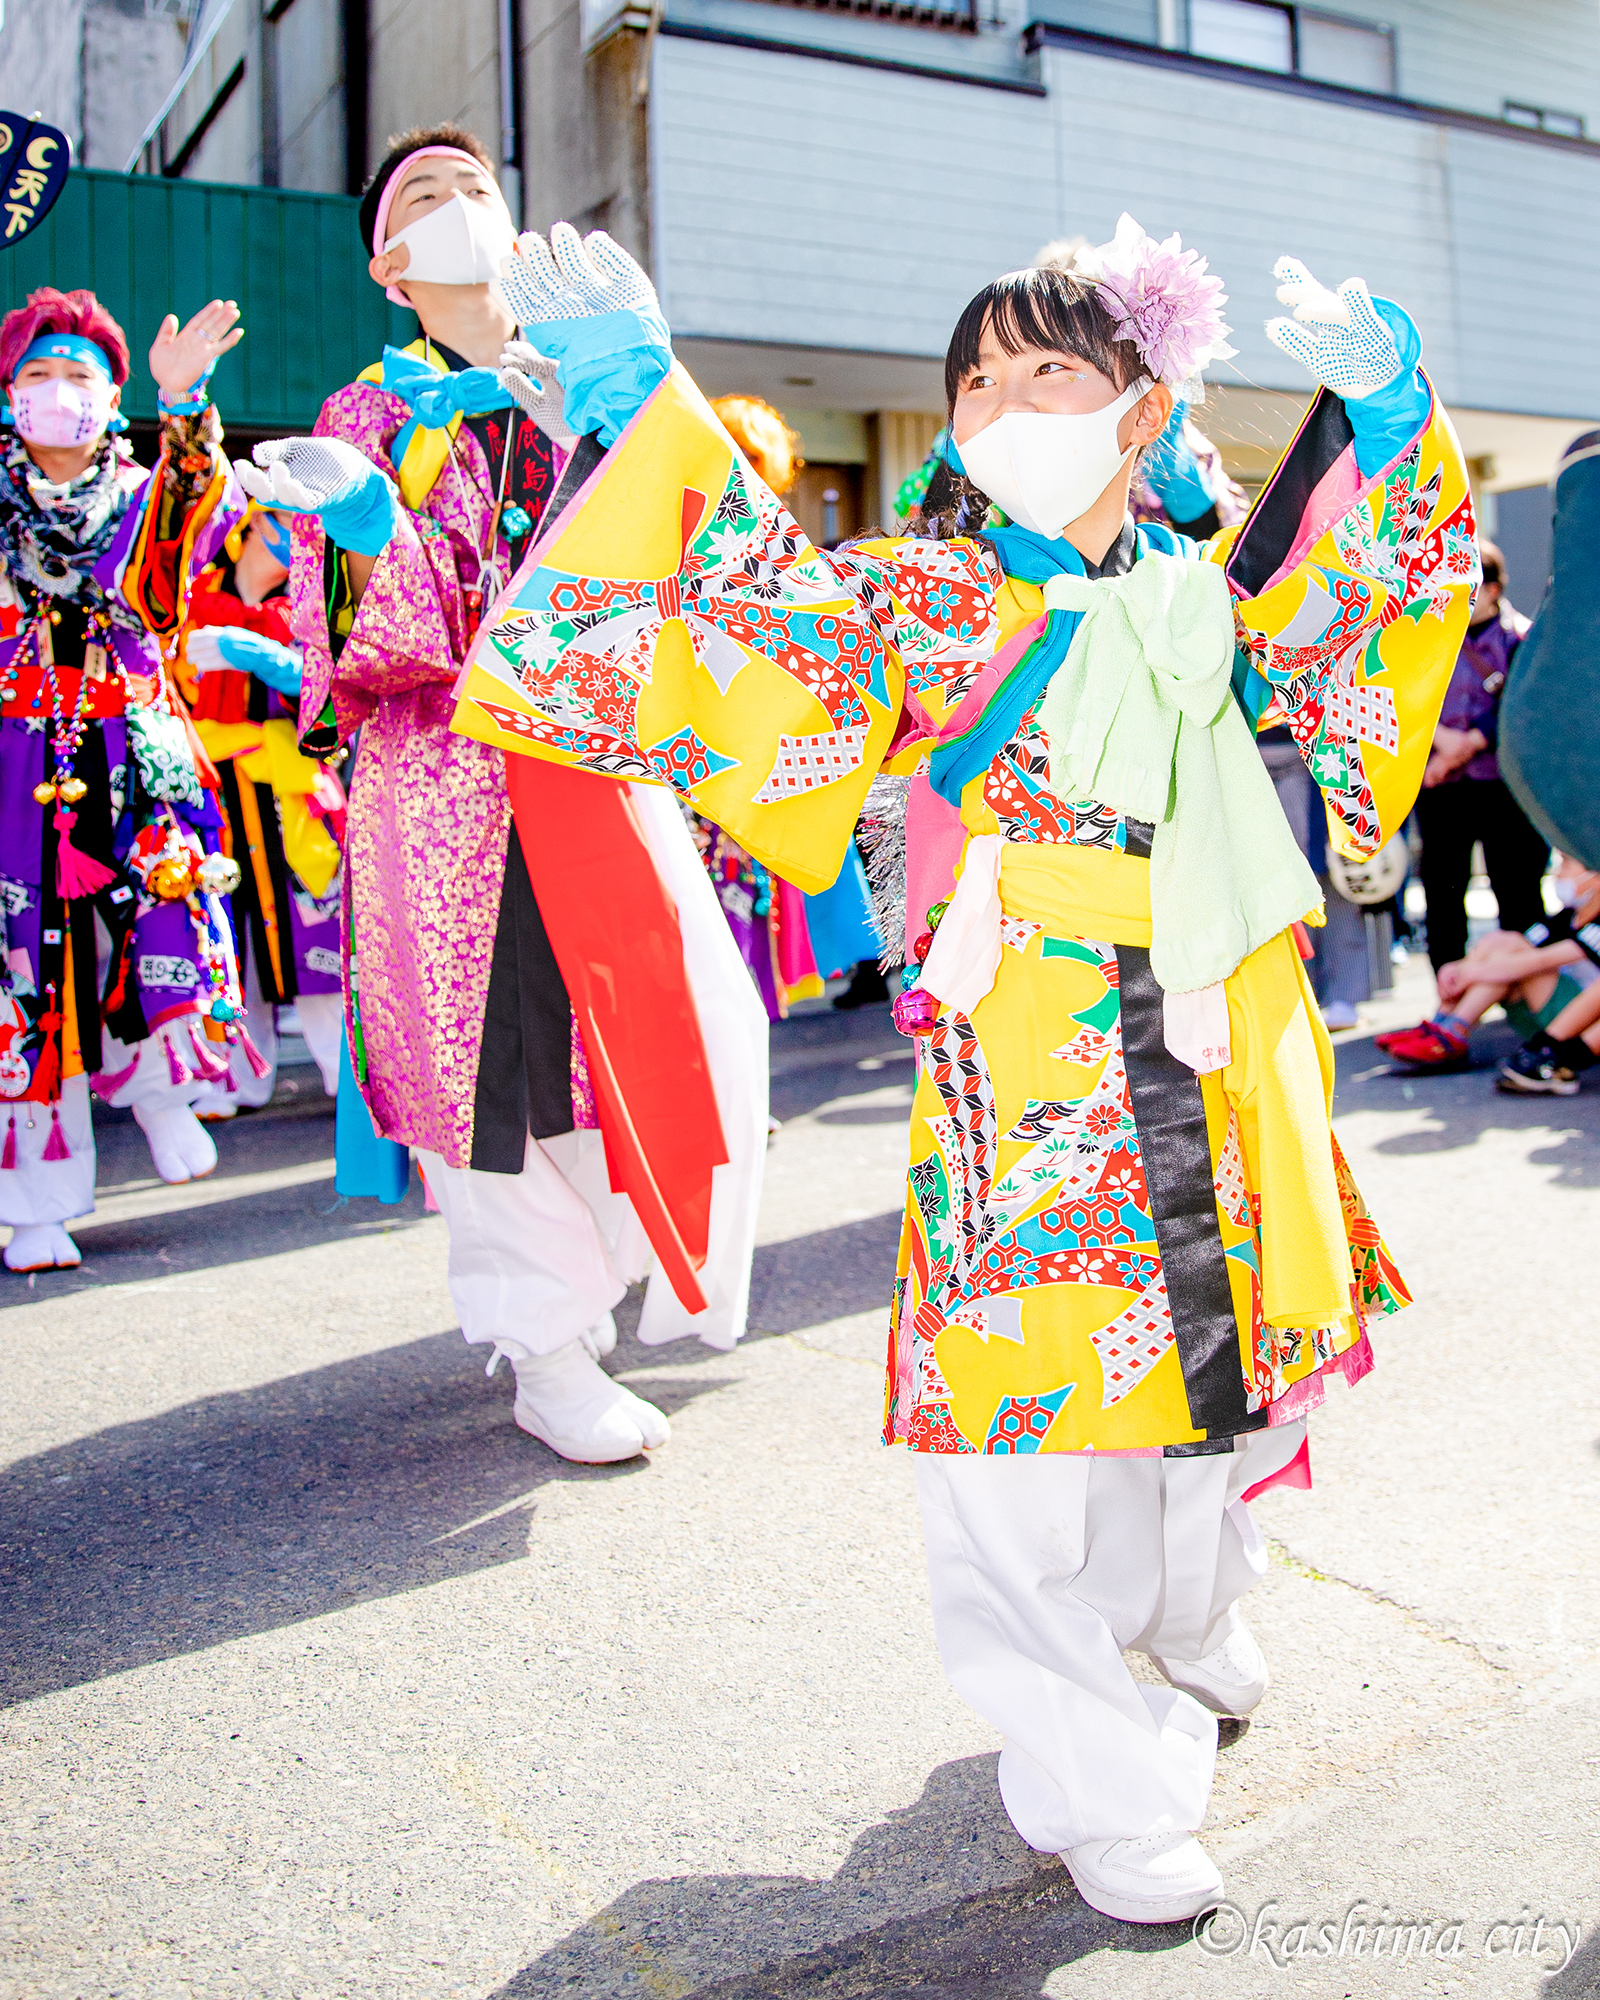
(614, 930)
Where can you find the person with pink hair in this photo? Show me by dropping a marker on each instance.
(117, 961)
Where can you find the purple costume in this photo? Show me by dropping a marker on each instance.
(437, 905)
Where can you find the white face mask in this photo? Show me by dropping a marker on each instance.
(459, 243)
(1046, 468)
(1571, 891)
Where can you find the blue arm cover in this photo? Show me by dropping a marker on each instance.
(609, 366)
(363, 515)
(254, 653)
(1175, 474)
(1386, 421)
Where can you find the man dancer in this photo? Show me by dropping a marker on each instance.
(563, 1149)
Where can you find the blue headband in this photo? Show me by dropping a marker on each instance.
(67, 347)
(950, 454)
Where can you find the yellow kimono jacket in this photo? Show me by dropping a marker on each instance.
(1101, 1250)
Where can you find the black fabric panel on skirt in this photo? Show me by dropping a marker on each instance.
(525, 1068)
(247, 897)
(1170, 1114)
(278, 873)
(1269, 531)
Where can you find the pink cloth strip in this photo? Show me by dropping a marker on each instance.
(1297, 1473)
(391, 187)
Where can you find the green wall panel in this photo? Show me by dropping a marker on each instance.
(147, 246)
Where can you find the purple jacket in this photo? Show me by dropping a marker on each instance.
(1472, 700)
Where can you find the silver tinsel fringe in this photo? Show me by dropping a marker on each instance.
(881, 835)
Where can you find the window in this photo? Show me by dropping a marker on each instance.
(1358, 54)
(1242, 31)
(1301, 41)
(1567, 124)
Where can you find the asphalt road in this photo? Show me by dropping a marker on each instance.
(322, 1680)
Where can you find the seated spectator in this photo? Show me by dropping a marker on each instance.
(1546, 979)
(1464, 799)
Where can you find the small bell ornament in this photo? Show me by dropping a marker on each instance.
(218, 875)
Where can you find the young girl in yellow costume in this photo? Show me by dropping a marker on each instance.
(1132, 1248)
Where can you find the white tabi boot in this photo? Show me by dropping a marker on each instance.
(180, 1146)
(41, 1246)
(569, 1402)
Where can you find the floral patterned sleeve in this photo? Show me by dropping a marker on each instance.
(676, 627)
(1351, 598)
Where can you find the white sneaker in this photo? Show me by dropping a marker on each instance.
(42, 1246)
(569, 1402)
(180, 1146)
(1155, 1878)
(1340, 1014)
(1230, 1679)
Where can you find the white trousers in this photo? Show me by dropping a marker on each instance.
(537, 1257)
(321, 1018)
(40, 1190)
(530, 1267)
(1042, 1570)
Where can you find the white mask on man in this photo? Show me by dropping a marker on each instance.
(460, 242)
(1047, 468)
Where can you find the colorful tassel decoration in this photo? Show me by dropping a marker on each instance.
(259, 1066)
(106, 1087)
(207, 1063)
(76, 874)
(177, 1069)
(56, 1147)
(119, 991)
(8, 1158)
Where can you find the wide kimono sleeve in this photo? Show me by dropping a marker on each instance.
(674, 626)
(175, 523)
(1351, 598)
(409, 630)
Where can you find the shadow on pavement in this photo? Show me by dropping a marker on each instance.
(245, 1512)
(747, 1937)
(1579, 1978)
(1463, 1105)
(827, 1275)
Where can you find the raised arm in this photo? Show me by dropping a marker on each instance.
(1354, 573)
(675, 626)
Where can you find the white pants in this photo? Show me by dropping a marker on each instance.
(1042, 1570)
(537, 1257)
(530, 1267)
(39, 1190)
(321, 1018)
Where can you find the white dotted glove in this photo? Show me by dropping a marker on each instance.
(359, 504)
(572, 277)
(530, 377)
(203, 650)
(300, 473)
(1336, 336)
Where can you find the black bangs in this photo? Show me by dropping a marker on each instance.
(1039, 308)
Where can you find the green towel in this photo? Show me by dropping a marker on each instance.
(1141, 716)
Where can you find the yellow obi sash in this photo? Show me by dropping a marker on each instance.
(1077, 891)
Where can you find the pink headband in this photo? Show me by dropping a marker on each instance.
(391, 187)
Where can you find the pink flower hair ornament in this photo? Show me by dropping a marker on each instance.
(1163, 302)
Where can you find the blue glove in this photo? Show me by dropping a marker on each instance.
(607, 366)
(587, 306)
(1175, 475)
(359, 505)
(213, 646)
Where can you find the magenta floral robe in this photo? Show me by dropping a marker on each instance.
(429, 818)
